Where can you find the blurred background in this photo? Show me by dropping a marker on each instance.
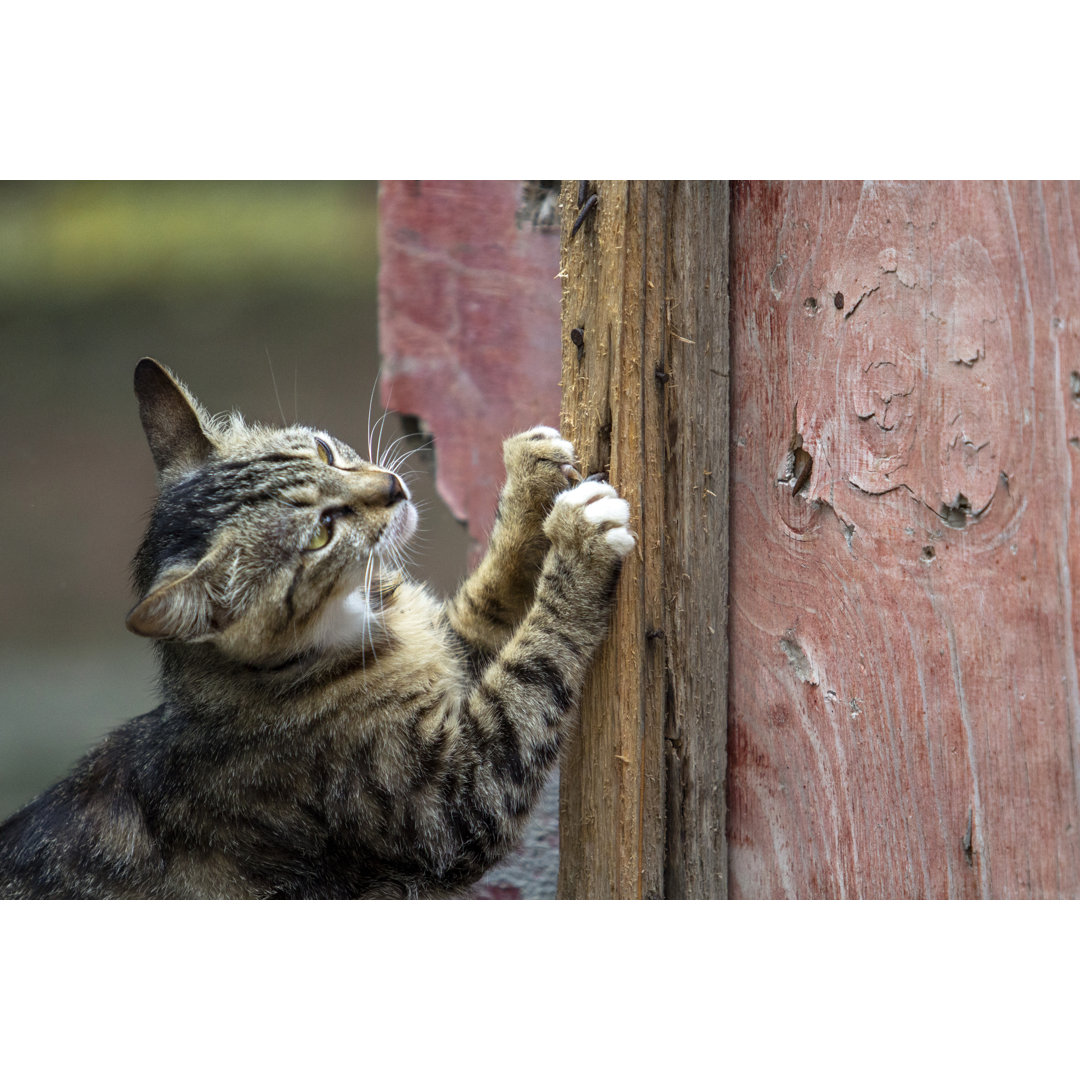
(236, 287)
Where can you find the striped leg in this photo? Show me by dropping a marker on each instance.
(518, 715)
(495, 598)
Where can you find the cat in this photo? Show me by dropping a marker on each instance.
(328, 729)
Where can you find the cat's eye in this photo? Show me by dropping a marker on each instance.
(321, 536)
(325, 453)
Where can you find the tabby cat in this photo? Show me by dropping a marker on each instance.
(328, 729)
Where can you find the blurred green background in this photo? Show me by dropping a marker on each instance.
(224, 283)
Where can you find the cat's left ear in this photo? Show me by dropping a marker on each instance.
(185, 608)
(171, 419)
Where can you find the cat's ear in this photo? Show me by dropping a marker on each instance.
(171, 419)
(182, 609)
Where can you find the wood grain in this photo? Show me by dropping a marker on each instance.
(645, 399)
(904, 698)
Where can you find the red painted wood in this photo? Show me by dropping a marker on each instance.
(468, 326)
(904, 696)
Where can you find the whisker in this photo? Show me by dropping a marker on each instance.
(386, 454)
(273, 379)
(396, 464)
(379, 433)
(371, 401)
(369, 629)
(379, 429)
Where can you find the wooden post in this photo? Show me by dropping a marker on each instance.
(645, 398)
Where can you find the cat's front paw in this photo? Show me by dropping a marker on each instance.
(591, 520)
(539, 465)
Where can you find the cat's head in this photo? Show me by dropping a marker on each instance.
(270, 542)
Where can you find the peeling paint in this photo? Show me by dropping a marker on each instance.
(797, 658)
(778, 278)
(968, 361)
(855, 306)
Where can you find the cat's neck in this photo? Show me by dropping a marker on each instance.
(202, 680)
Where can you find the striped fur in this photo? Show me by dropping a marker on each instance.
(328, 729)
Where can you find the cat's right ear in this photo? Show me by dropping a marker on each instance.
(170, 418)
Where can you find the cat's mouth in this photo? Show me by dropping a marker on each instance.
(351, 615)
(397, 531)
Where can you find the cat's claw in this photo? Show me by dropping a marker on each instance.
(560, 446)
(543, 461)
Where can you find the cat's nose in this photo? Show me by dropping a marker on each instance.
(375, 488)
(396, 490)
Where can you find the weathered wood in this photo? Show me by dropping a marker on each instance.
(468, 327)
(645, 398)
(904, 695)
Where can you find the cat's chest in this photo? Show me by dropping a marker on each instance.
(375, 732)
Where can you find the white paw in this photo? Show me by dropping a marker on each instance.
(556, 443)
(608, 511)
(603, 508)
(540, 431)
(588, 491)
(621, 541)
(549, 445)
